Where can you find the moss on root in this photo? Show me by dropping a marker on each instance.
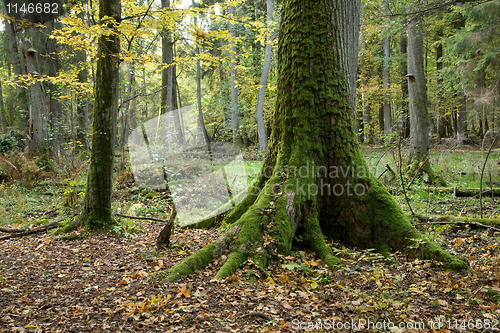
(433, 252)
(315, 239)
(201, 258)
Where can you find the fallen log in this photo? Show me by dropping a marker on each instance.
(472, 192)
(464, 192)
(493, 224)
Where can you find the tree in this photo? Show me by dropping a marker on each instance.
(386, 103)
(2, 110)
(315, 181)
(417, 93)
(261, 126)
(54, 106)
(235, 113)
(38, 131)
(10, 32)
(96, 211)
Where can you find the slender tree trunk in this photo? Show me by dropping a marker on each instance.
(55, 109)
(168, 93)
(298, 191)
(201, 123)
(167, 73)
(235, 112)
(404, 89)
(82, 108)
(15, 58)
(461, 122)
(175, 107)
(441, 122)
(386, 82)
(261, 126)
(133, 102)
(419, 117)
(96, 212)
(38, 131)
(2, 110)
(367, 129)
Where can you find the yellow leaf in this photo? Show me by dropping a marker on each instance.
(29, 326)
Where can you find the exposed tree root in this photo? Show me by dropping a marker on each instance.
(17, 232)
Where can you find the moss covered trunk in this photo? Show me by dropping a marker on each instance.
(97, 204)
(315, 181)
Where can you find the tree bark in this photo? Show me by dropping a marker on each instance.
(314, 163)
(167, 60)
(55, 109)
(386, 81)
(417, 92)
(22, 96)
(2, 110)
(38, 131)
(404, 89)
(235, 112)
(96, 212)
(201, 123)
(461, 122)
(82, 108)
(168, 92)
(367, 129)
(441, 121)
(261, 126)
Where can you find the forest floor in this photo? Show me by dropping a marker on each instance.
(112, 282)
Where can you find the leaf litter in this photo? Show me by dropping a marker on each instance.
(111, 283)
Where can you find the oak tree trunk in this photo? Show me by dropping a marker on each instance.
(315, 181)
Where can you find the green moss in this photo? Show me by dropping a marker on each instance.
(260, 259)
(492, 222)
(233, 262)
(206, 223)
(433, 252)
(493, 294)
(200, 259)
(315, 240)
(71, 237)
(282, 229)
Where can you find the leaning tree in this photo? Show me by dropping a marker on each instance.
(315, 181)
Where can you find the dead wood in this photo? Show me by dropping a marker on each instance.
(15, 232)
(458, 221)
(141, 218)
